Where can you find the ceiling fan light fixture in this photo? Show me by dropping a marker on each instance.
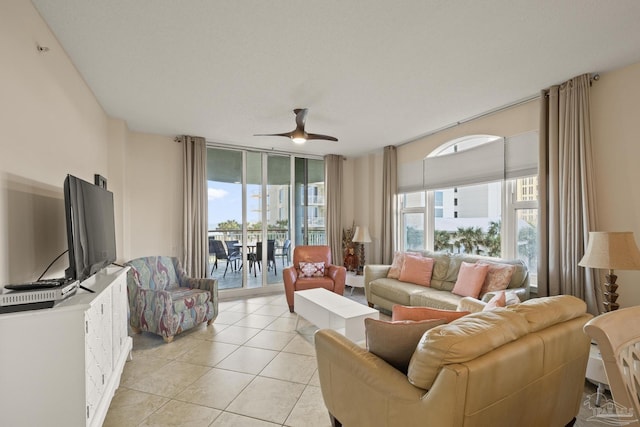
(298, 139)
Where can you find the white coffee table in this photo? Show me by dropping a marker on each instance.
(328, 310)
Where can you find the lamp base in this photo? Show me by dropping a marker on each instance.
(610, 295)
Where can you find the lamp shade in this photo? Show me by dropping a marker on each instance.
(611, 250)
(361, 235)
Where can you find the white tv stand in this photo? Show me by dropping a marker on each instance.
(61, 366)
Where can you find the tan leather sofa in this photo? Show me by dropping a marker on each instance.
(523, 365)
(384, 292)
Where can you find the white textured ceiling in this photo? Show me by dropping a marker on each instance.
(371, 72)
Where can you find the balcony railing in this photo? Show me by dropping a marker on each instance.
(316, 237)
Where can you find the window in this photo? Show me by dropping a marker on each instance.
(480, 196)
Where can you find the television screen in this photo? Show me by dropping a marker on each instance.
(90, 228)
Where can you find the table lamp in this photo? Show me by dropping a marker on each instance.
(361, 235)
(611, 251)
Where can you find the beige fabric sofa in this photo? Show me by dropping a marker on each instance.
(385, 292)
(523, 365)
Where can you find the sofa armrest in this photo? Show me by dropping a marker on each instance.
(202, 284)
(471, 304)
(371, 273)
(373, 375)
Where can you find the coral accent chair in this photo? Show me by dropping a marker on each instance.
(333, 279)
(164, 301)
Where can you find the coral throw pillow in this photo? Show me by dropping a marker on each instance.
(395, 342)
(405, 312)
(470, 279)
(498, 300)
(498, 277)
(416, 269)
(311, 269)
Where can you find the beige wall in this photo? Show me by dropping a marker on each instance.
(615, 118)
(51, 125)
(153, 214)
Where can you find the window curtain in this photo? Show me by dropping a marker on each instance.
(333, 192)
(389, 194)
(567, 193)
(194, 188)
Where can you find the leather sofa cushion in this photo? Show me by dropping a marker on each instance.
(544, 312)
(444, 300)
(395, 290)
(463, 340)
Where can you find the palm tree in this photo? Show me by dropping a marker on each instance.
(470, 239)
(442, 241)
(492, 239)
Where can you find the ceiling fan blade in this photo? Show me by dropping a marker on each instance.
(318, 136)
(286, 134)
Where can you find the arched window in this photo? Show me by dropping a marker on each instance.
(479, 195)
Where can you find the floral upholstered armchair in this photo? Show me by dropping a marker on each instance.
(163, 300)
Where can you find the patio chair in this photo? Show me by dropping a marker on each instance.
(221, 253)
(256, 259)
(284, 252)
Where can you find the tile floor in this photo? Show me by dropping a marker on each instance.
(249, 368)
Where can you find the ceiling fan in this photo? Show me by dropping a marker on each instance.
(299, 135)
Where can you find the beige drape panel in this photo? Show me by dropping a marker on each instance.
(567, 192)
(195, 206)
(389, 194)
(333, 194)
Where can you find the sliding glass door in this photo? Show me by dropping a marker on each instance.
(310, 213)
(251, 205)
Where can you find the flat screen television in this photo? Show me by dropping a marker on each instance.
(91, 232)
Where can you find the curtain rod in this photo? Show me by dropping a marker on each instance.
(594, 78)
(468, 119)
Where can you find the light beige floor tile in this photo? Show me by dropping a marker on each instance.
(227, 419)
(140, 367)
(229, 317)
(235, 335)
(267, 399)
(208, 353)
(245, 307)
(179, 346)
(291, 367)
(249, 360)
(272, 310)
(216, 389)
(176, 413)
(130, 407)
(310, 410)
(271, 340)
(315, 379)
(264, 299)
(228, 304)
(171, 379)
(283, 324)
(206, 332)
(299, 345)
(256, 321)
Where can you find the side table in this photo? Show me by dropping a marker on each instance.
(354, 281)
(595, 372)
